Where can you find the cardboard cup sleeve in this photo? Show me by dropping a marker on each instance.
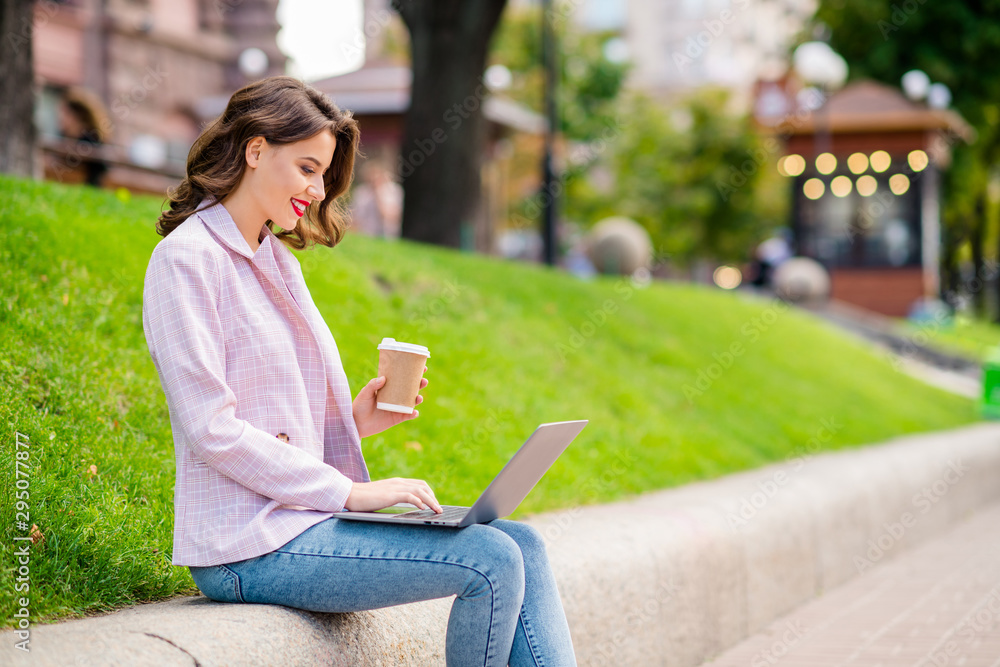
(402, 364)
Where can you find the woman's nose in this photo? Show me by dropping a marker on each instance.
(316, 190)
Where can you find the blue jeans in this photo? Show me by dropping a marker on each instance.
(507, 611)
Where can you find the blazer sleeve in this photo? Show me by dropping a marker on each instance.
(186, 340)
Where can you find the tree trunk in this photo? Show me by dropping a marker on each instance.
(17, 90)
(444, 133)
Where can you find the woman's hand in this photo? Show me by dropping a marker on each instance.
(371, 496)
(369, 419)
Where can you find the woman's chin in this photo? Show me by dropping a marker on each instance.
(288, 225)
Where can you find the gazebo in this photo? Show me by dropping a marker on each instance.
(865, 193)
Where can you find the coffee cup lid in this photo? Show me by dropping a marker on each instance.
(392, 344)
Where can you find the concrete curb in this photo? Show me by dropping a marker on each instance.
(672, 578)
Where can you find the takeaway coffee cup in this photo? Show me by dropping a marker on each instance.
(402, 364)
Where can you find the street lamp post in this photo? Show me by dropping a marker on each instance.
(918, 87)
(548, 173)
(820, 66)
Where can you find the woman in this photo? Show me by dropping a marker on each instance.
(82, 117)
(267, 438)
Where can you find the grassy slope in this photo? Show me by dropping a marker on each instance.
(511, 345)
(967, 337)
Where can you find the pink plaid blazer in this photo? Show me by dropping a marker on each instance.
(243, 354)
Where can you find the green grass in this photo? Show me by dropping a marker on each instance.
(963, 336)
(511, 345)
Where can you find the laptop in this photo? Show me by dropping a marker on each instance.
(504, 493)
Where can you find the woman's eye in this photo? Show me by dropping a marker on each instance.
(308, 170)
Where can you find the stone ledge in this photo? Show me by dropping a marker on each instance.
(673, 577)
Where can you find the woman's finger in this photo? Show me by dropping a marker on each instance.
(431, 501)
(410, 498)
(427, 493)
(426, 496)
(375, 384)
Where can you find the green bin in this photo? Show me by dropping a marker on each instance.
(991, 385)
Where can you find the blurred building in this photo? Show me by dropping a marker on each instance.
(159, 67)
(379, 96)
(864, 171)
(677, 45)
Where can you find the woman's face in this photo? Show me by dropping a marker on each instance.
(288, 178)
(69, 122)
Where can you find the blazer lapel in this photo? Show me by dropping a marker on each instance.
(218, 220)
(272, 266)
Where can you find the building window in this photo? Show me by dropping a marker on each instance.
(47, 111)
(868, 220)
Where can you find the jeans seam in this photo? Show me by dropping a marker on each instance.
(530, 637)
(489, 639)
(236, 582)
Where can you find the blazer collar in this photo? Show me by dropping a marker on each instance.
(217, 218)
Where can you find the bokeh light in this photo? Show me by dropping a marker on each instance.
(826, 163)
(727, 277)
(867, 186)
(899, 184)
(857, 163)
(841, 186)
(791, 165)
(918, 160)
(880, 161)
(813, 188)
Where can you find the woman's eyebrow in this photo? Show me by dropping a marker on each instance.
(314, 161)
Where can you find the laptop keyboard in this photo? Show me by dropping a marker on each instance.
(449, 513)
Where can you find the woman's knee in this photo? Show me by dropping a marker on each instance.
(497, 554)
(494, 567)
(529, 540)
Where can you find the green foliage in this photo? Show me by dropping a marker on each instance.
(587, 99)
(588, 84)
(689, 182)
(955, 42)
(701, 181)
(512, 346)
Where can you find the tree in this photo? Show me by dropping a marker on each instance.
(444, 131)
(701, 181)
(589, 83)
(698, 179)
(17, 141)
(958, 44)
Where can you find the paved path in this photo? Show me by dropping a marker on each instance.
(936, 605)
(957, 383)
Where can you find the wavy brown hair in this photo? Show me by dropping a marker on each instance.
(283, 110)
(90, 111)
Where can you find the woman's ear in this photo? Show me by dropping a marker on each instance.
(254, 147)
